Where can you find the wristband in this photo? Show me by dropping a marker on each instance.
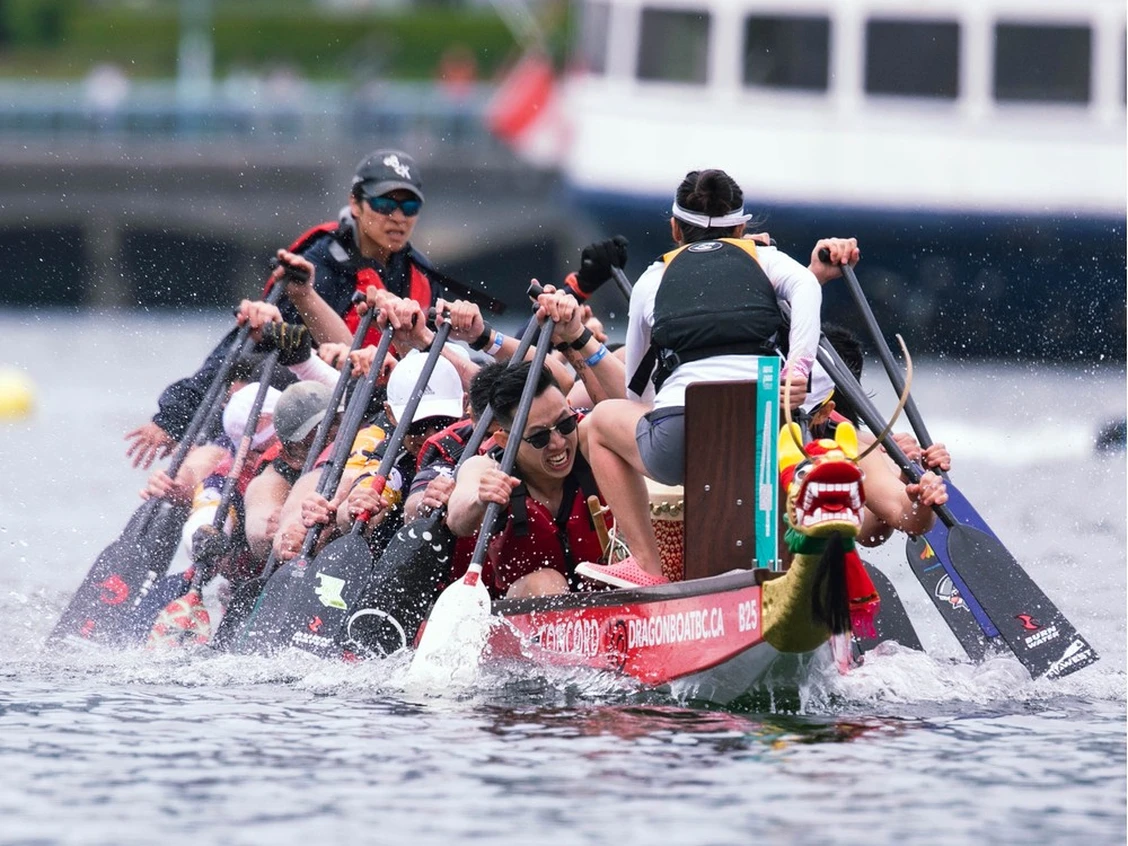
(495, 347)
(480, 342)
(577, 344)
(597, 356)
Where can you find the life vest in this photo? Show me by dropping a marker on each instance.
(419, 286)
(714, 299)
(446, 445)
(533, 538)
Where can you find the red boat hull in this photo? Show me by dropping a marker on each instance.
(693, 632)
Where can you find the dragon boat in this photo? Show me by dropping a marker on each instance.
(732, 616)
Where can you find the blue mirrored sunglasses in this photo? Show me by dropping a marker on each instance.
(387, 205)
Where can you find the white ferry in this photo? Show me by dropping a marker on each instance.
(975, 147)
(998, 106)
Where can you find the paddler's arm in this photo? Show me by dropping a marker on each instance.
(891, 505)
(603, 375)
(467, 324)
(324, 324)
(841, 251)
(479, 483)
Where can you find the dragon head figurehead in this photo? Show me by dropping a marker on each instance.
(824, 488)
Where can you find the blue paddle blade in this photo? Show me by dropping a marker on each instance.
(1038, 633)
(930, 570)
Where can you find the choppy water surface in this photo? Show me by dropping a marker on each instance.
(100, 747)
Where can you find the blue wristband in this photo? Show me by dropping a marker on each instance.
(495, 347)
(597, 356)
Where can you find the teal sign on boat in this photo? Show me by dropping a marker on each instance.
(767, 473)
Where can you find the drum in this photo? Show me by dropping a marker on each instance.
(667, 510)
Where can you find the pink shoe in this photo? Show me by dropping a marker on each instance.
(623, 574)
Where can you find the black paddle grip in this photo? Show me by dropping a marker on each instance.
(298, 275)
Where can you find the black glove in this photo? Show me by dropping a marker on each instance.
(209, 544)
(596, 261)
(290, 339)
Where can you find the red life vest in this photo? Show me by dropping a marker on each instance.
(420, 286)
(538, 541)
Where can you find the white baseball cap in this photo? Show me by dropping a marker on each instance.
(238, 409)
(442, 396)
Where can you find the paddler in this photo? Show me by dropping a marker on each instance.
(701, 312)
(368, 246)
(548, 528)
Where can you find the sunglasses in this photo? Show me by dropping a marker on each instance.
(539, 440)
(387, 205)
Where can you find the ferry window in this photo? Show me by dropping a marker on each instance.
(913, 58)
(1044, 64)
(591, 37)
(673, 46)
(787, 52)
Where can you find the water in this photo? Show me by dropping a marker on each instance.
(130, 747)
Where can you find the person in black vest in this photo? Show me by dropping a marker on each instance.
(701, 312)
(369, 245)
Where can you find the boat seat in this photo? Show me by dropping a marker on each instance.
(720, 477)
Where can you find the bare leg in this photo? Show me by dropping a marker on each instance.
(617, 465)
(543, 582)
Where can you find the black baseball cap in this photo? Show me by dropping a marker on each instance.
(385, 171)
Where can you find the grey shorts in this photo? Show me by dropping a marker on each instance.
(661, 443)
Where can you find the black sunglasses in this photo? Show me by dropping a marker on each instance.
(387, 205)
(539, 440)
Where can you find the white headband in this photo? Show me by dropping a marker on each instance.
(732, 218)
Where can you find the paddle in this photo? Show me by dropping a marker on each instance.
(185, 618)
(343, 568)
(245, 594)
(414, 564)
(106, 601)
(955, 614)
(1038, 633)
(924, 556)
(458, 616)
(271, 609)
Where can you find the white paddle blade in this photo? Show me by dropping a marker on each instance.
(455, 635)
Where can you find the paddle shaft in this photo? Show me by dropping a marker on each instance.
(346, 434)
(392, 445)
(622, 282)
(326, 423)
(509, 455)
(884, 352)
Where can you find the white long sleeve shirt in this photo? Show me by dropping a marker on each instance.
(793, 283)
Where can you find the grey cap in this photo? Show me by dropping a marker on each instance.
(385, 171)
(299, 409)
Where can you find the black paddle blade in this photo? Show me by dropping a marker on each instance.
(892, 622)
(1040, 635)
(106, 606)
(404, 585)
(306, 604)
(239, 607)
(933, 577)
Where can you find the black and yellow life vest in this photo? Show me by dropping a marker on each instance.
(714, 299)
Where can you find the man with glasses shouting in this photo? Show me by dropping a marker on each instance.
(548, 527)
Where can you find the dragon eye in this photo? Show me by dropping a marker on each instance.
(801, 472)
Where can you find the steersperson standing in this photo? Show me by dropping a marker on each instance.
(368, 245)
(700, 313)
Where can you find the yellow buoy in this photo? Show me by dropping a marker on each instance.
(17, 397)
